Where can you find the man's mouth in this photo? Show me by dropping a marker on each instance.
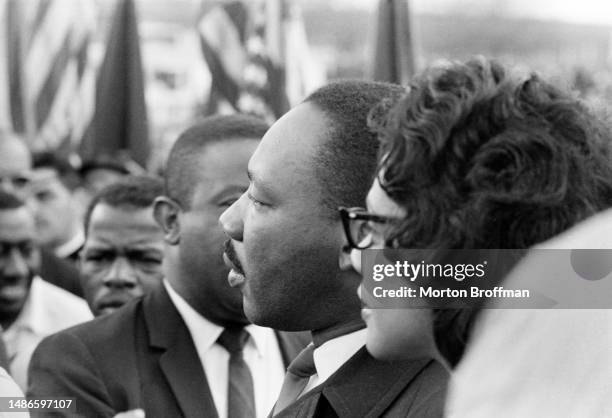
(10, 293)
(236, 275)
(235, 278)
(111, 304)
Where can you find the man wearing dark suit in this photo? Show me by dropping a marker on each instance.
(168, 353)
(286, 254)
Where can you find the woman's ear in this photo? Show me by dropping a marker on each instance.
(166, 213)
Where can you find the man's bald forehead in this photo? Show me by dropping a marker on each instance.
(14, 153)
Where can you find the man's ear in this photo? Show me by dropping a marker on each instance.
(166, 213)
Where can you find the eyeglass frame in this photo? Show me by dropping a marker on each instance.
(350, 214)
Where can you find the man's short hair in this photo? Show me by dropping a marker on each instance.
(482, 159)
(181, 164)
(346, 162)
(9, 201)
(130, 192)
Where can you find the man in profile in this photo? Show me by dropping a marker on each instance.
(185, 349)
(287, 259)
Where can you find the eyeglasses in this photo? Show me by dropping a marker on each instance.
(358, 226)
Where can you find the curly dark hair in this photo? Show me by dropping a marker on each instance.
(482, 159)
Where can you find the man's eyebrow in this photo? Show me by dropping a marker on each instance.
(261, 185)
(229, 191)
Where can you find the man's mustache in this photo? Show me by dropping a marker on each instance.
(230, 252)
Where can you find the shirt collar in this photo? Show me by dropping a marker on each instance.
(208, 332)
(331, 355)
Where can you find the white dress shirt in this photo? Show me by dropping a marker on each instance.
(331, 355)
(261, 353)
(47, 310)
(8, 388)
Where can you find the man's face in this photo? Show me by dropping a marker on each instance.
(220, 179)
(53, 207)
(19, 260)
(15, 165)
(122, 256)
(284, 246)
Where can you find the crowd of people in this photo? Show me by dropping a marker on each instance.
(231, 286)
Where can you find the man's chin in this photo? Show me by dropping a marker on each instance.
(13, 297)
(235, 279)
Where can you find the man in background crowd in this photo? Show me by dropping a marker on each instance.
(123, 251)
(15, 177)
(30, 308)
(185, 349)
(57, 213)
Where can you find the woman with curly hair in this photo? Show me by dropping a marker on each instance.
(474, 157)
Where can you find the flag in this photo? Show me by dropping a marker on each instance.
(119, 124)
(46, 79)
(247, 46)
(393, 59)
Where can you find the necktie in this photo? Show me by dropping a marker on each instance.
(302, 367)
(240, 396)
(296, 379)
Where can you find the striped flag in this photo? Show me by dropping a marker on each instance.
(50, 79)
(256, 52)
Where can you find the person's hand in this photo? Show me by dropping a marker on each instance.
(134, 413)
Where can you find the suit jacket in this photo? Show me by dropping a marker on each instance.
(142, 356)
(366, 387)
(60, 272)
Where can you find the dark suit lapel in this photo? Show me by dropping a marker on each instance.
(366, 387)
(291, 343)
(362, 387)
(179, 361)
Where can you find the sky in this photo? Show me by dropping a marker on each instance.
(577, 11)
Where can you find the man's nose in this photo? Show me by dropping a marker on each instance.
(121, 274)
(17, 265)
(231, 220)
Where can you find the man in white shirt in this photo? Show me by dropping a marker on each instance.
(171, 353)
(30, 308)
